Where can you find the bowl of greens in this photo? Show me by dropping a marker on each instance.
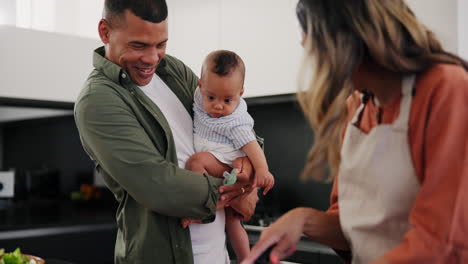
(16, 257)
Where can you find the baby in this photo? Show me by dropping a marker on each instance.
(223, 133)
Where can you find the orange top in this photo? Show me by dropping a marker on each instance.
(456, 250)
(438, 129)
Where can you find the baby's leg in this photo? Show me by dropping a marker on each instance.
(237, 235)
(238, 164)
(205, 162)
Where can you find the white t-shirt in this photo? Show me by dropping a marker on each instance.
(208, 240)
(176, 115)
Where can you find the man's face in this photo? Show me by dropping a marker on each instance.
(135, 44)
(221, 94)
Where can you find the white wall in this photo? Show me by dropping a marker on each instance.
(449, 21)
(72, 17)
(78, 17)
(463, 28)
(441, 16)
(7, 12)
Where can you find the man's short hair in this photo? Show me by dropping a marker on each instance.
(223, 63)
(150, 10)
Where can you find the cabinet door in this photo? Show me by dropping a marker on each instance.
(42, 65)
(266, 34)
(194, 29)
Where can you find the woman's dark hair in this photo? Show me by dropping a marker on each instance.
(301, 15)
(150, 10)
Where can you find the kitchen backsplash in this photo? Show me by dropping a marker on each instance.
(1, 147)
(49, 148)
(49, 151)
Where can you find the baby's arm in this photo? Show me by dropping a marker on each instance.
(263, 177)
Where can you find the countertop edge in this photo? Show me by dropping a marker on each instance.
(48, 231)
(304, 244)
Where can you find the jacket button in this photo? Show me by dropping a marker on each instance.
(124, 75)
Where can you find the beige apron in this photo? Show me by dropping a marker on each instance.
(377, 183)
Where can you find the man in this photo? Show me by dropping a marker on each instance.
(134, 119)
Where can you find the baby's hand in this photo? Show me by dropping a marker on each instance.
(263, 178)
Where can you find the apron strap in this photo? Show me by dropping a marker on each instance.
(402, 121)
(358, 113)
(405, 106)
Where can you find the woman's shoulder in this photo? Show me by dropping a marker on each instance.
(443, 87)
(440, 92)
(443, 78)
(444, 70)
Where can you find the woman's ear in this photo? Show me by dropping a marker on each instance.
(104, 31)
(242, 91)
(199, 83)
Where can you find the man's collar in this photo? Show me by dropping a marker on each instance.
(108, 68)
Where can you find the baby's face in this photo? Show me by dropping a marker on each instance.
(221, 94)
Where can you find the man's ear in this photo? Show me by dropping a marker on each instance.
(242, 91)
(199, 83)
(104, 30)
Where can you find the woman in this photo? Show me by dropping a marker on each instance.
(389, 108)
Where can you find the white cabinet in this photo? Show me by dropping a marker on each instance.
(263, 32)
(43, 66)
(194, 29)
(266, 35)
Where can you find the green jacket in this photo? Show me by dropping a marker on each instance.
(130, 141)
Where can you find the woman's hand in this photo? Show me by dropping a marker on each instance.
(285, 233)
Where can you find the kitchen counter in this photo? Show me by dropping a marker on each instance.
(305, 244)
(85, 233)
(54, 213)
(61, 230)
(308, 251)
